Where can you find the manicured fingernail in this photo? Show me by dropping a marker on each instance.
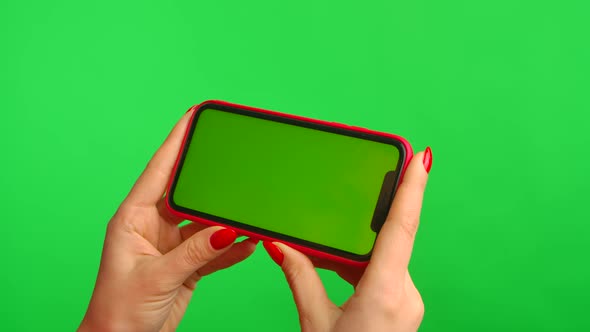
(427, 159)
(222, 238)
(251, 240)
(274, 252)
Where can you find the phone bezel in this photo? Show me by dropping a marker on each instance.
(264, 234)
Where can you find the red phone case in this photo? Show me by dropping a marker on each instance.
(303, 249)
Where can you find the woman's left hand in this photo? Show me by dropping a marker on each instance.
(149, 264)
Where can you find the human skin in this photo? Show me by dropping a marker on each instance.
(150, 266)
(385, 297)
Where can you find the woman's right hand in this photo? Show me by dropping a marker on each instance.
(385, 298)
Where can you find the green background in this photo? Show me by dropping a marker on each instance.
(499, 89)
(312, 185)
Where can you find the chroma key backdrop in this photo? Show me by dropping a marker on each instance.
(498, 89)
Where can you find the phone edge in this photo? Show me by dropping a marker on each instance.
(306, 250)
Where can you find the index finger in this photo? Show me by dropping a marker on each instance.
(151, 185)
(393, 248)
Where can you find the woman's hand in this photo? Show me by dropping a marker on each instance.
(385, 298)
(149, 265)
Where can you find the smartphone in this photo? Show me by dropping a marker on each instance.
(321, 187)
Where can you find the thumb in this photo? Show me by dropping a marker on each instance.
(316, 311)
(196, 251)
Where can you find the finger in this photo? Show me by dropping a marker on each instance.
(150, 186)
(414, 306)
(393, 248)
(316, 311)
(166, 214)
(194, 253)
(189, 230)
(237, 253)
(351, 274)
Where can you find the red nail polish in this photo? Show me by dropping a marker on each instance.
(274, 252)
(255, 241)
(222, 238)
(189, 109)
(427, 159)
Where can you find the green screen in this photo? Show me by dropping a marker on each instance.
(500, 89)
(306, 183)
